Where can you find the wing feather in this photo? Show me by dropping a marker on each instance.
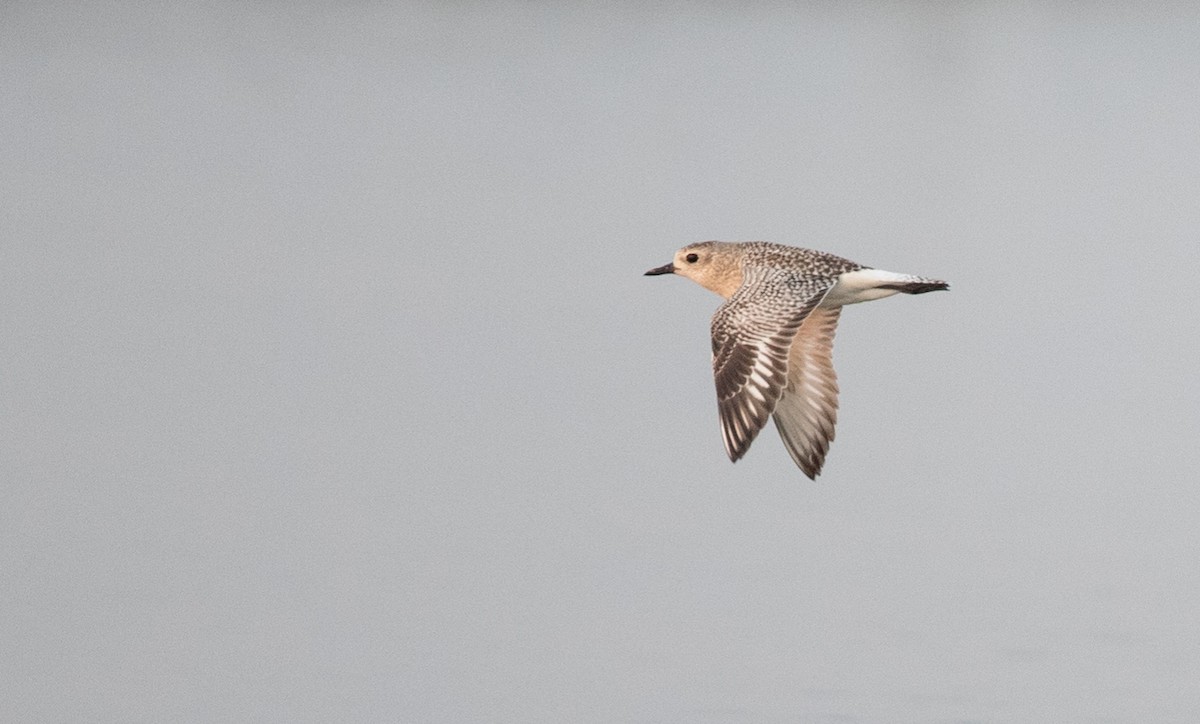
(752, 335)
(807, 410)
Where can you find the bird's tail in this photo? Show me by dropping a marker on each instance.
(916, 285)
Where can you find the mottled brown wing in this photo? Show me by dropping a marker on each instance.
(752, 335)
(807, 410)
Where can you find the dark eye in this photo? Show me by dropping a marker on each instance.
(692, 258)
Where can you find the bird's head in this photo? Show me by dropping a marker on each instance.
(714, 265)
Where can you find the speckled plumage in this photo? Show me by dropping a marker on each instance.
(773, 337)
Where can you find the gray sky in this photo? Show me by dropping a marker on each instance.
(331, 389)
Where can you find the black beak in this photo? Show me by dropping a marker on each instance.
(665, 269)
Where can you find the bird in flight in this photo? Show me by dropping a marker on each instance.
(772, 339)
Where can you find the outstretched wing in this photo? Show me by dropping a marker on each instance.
(752, 335)
(807, 410)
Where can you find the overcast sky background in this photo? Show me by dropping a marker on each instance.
(331, 390)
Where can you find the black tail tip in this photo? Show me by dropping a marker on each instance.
(918, 287)
(922, 287)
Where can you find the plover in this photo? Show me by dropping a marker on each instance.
(772, 339)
